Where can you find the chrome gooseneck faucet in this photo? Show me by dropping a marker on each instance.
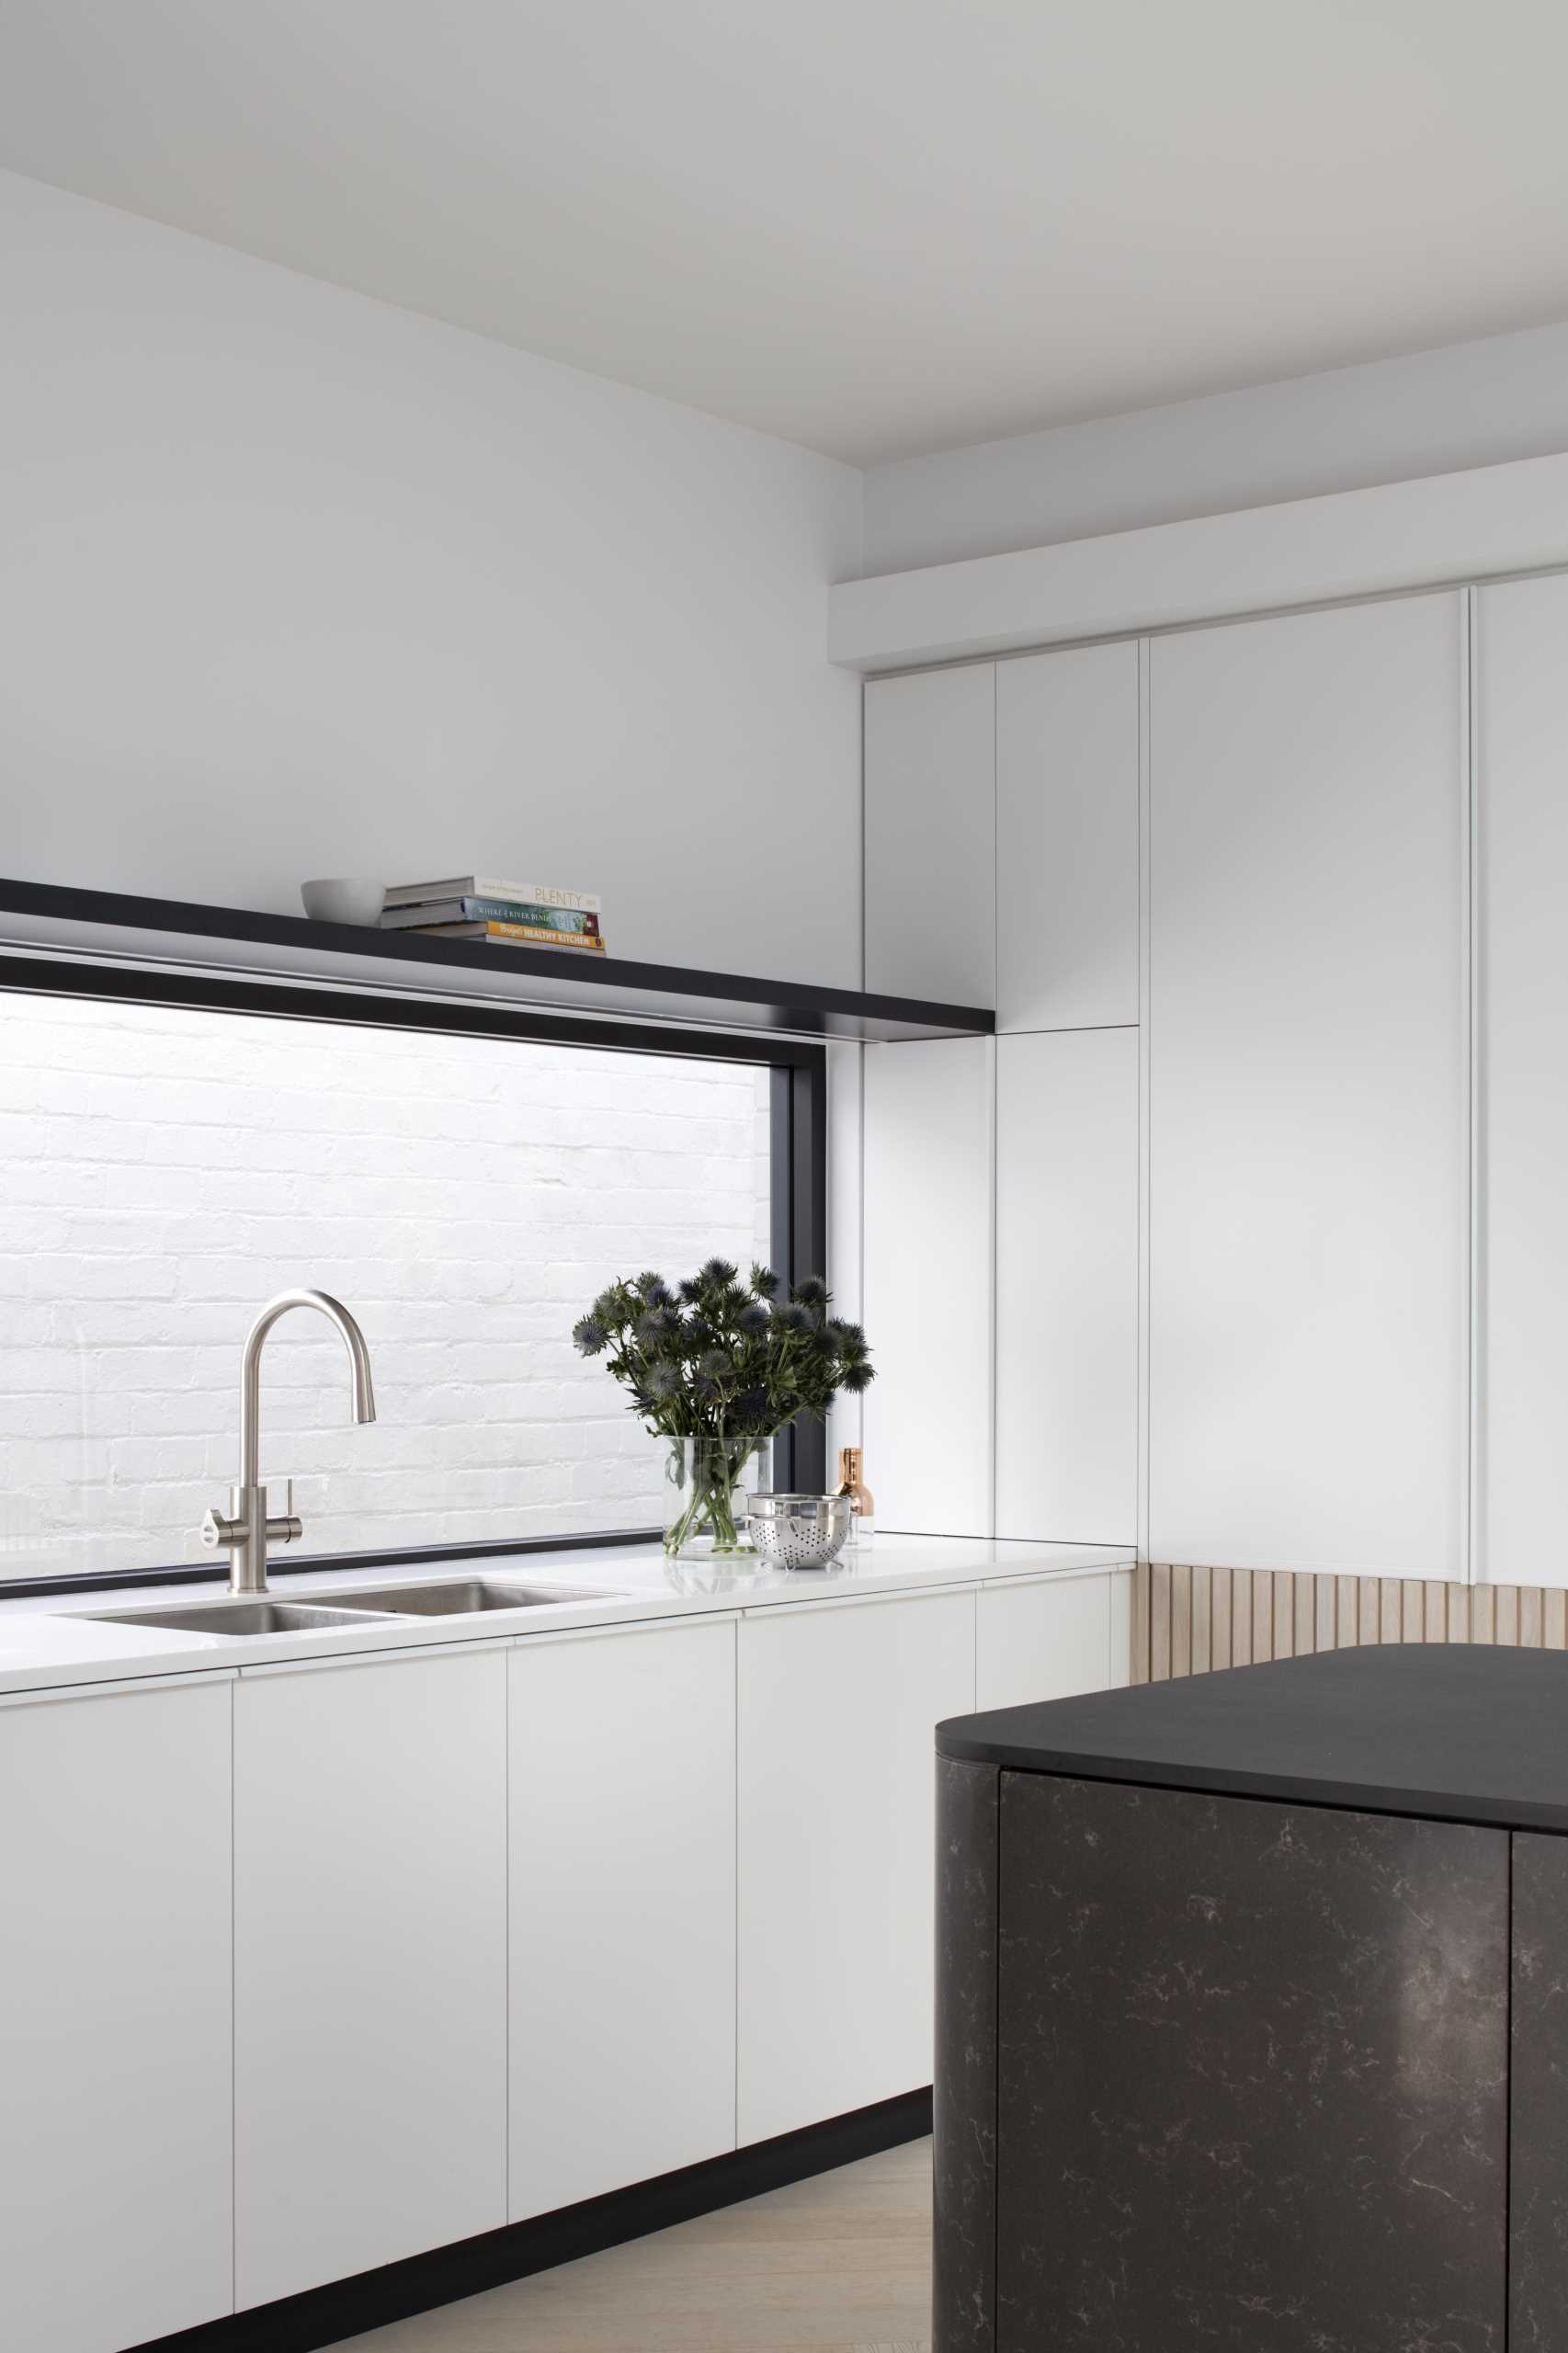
(247, 1529)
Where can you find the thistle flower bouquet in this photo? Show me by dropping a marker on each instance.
(723, 1363)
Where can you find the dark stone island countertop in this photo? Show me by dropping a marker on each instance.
(1471, 1734)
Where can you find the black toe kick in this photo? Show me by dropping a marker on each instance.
(346, 2308)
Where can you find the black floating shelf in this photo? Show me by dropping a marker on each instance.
(46, 923)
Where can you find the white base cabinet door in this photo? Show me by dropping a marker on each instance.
(622, 1908)
(369, 1963)
(1048, 1640)
(115, 1987)
(838, 1705)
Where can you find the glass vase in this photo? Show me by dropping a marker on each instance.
(704, 1510)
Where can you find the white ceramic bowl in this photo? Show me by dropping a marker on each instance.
(336, 899)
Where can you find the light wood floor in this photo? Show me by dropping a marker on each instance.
(839, 2265)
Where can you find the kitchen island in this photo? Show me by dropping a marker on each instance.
(1253, 2012)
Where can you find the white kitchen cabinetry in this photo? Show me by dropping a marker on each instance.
(115, 2008)
(1049, 1638)
(1067, 1286)
(931, 784)
(1522, 796)
(1306, 1243)
(623, 1907)
(838, 1702)
(369, 1963)
(926, 1283)
(1067, 839)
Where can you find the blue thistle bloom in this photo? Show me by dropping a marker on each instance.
(753, 1317)
(751, 1410)
(811, 1291)
(717, 1272)
(714, 1365)
(690, 1290)
(588, 1338)
(663, 1382)
(792, 1318)
(659, 1294)
(856, 1377)
(648, 1282)
(764, 1281)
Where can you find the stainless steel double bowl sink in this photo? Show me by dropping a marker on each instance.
(451, 1598)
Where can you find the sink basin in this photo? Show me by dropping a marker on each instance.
(233, 1617)
(456, 1597)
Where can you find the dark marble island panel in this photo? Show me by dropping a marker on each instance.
(1223, 2067)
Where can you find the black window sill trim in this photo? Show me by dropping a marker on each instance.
(323, 1565)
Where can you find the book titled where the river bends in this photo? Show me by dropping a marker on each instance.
(515, 935)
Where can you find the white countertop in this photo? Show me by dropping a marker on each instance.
(52, 1643)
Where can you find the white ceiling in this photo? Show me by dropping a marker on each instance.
(872, 226)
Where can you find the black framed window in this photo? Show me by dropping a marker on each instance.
(175, 1146)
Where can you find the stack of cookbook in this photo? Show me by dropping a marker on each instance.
(506, 915)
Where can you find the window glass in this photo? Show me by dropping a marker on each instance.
(165, 1171)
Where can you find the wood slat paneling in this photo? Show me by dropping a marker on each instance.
(1189, 1620)
(1140, 1622)
(1220, 1598)
(1203, 1620)
(1159, 1621)
(1181, 1620)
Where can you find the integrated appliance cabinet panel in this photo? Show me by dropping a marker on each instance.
(622, 1835)
(1308, 1227)
(1067, 839)
(930, 1112)
(369, 1963)
(838, 1702)
(1067, 1287)
(1276, 2038)
(930, 851)
(116, 2120)
(1521, 743)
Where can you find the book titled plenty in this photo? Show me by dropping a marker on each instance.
(489, 886)
(516, 935)
(468, 909)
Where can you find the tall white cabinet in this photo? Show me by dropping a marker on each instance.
(1067, 741)
(1522, 1069)
(926, 1279)
(1067, 1286)
(1307, 1125)
(930, 783)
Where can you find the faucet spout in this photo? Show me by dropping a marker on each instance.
(247, 1527)
(250, 1369)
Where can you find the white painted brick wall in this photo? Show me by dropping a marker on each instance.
(162, 1173)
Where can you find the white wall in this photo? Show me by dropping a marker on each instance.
(294, 583)
(1438, 412)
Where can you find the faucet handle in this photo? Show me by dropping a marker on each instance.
(285, 1528)
(218, 1529)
